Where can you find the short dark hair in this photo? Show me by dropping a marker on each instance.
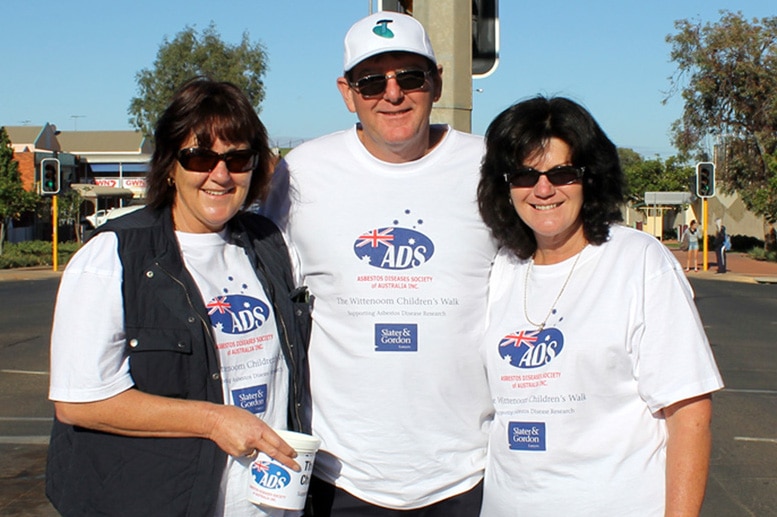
(209, 110)
(522, 130)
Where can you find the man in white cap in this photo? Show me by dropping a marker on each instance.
(384, 221)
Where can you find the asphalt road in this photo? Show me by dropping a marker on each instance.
(25, 413)
(741, 321)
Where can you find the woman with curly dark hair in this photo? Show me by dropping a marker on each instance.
(598, 364)
(179, 340)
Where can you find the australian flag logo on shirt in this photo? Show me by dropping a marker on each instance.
(531, 348)
(237, 313)
(394, 247)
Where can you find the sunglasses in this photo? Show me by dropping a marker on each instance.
(374, 85)
(198, 159)
(558, 176)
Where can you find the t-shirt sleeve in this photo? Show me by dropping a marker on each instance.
(675, 359)
(88, 359)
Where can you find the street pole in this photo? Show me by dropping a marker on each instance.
(54, 231)
(705, 265)
(449, 24)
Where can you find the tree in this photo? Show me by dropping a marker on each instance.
(69, 208)
(727, 74)
(189, 55)
(653, 175)
(14, 200)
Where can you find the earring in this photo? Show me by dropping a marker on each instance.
(170, 181)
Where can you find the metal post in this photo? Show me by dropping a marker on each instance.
(54, 231)
(705, 264)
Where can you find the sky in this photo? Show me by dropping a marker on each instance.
(74, 63)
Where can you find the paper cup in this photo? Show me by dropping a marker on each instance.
(274, 484)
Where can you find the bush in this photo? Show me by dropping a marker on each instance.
(745, 242)
(35, 253)
(760, 253)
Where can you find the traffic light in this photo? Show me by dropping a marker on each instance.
(705, 179)
(49, 176)
(485, 37)
(397, 6)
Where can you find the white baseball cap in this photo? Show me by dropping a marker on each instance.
(385, 31)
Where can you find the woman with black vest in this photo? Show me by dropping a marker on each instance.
(179, 339)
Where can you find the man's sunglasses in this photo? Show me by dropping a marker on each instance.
(527, 177)
(374, 85)
(198, 159)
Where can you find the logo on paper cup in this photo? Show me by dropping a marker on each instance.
(270, 475)
(271, 484)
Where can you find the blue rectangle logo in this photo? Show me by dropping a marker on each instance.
(254, 399)
(526, 436)
(396, 337)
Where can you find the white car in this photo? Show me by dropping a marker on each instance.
(101, 216)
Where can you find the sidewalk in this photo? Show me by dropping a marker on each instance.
(740, 268)
(29, 273)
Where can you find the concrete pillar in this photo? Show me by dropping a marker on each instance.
(449, 24)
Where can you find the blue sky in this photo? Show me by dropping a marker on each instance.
(73, 63)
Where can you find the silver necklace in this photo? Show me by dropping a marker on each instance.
(541, 326)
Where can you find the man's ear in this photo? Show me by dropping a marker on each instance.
(438, 84)
(347, 92)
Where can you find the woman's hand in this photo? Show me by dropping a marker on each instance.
(240, 433)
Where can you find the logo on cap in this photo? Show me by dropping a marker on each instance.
(382, 30)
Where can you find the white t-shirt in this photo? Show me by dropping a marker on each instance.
(397, 258)
(88, 341)
(577, 429)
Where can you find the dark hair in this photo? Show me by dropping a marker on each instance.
(209, 110)
(522, 130)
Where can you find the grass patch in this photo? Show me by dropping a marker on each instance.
(35, 253)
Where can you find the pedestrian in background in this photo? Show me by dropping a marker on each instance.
(719, 245)
(384, 219)
(597, 360)
(177, 345)
(690, 242)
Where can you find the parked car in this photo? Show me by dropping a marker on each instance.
(101, 216)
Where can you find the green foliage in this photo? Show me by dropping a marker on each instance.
(69, 205)
(188, 55)
(14, 200)
(727, 76)
(652, 175)
(759, 253)
(35, 253)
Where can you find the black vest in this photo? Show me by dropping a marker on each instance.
(172, 354)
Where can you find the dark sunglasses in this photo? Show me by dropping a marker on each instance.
(373, 85)
(558, 176)
(198, 159)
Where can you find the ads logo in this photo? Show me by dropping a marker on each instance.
(531, 348)
(393, 248)
(237, 314)
(269, 475)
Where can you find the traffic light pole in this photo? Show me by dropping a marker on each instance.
(705, 263)
(54, 232)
